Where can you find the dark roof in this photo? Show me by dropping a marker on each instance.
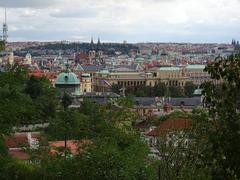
(193, 101)
(101, 94)
(168, 125)
(145, 101)
(132, 67)
(142, 125)
(93, 67)
(148, 101)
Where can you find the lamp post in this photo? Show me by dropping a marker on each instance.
(66, 101)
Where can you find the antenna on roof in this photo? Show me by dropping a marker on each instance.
(5, 15)
(5, 28)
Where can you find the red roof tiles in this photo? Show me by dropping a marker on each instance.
(170, 124)
(18, 140)
(18, 153)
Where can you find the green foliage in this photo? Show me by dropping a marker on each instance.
(66, 100)
(18, 169)
(223, 108)
(189, 89)
(158, 90)
(68, 123)
(175, 91)
(114, 153)
(43, 96)
(2, 45)
(116, 88)
(180, 158)
(107, 48)
(23, 99)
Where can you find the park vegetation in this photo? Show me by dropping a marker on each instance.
(159, 90)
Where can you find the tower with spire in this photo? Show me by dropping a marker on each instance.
(99, 42)
(92, 41)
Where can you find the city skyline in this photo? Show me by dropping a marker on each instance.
(135, 21)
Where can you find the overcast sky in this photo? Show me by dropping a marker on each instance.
(118, 20)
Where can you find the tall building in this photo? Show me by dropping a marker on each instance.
(11, 58)
(28, 58)
(5, 28)
(86, 83)
(68, 82)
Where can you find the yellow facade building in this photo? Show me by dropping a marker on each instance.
(171, 76)
(86, 83)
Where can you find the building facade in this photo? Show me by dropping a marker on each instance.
(170, 76)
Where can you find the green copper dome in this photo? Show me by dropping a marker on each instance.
(67, 78)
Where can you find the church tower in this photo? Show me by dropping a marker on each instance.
(11, 58)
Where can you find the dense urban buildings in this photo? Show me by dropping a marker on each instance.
(106, 110)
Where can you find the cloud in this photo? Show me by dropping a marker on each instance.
(27, 3)
(73, 13)
(131, 20)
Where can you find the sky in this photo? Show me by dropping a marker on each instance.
(194, 21)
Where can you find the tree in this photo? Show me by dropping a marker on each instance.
(69, 123)
(175, 91)
(189, 89)
(24, 100)
(66, 100)
(224, 117)
(113, 153)
(116, 88)
(2, 45)
(180, 158)
(159, 89)
(43, 95)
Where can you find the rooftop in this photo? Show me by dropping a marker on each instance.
(172, 68)
(67, 78)
(170, 125)
(195, 66)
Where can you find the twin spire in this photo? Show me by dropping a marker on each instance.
(92, 42)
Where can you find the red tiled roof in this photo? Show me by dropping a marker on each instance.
(51, 75)
(170, 124)
(18, 153)
(18, 140)
(82, 56)
(72, 145)
(36, 135)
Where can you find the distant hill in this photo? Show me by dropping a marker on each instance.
(69, 48)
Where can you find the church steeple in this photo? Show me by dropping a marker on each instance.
(99, 42)
(92, 41)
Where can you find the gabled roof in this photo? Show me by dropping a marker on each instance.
(79, 68)
(170, 125)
